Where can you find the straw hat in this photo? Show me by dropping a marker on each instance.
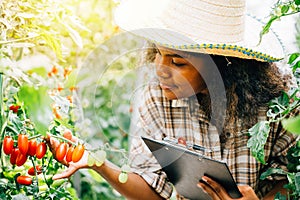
(218, 27)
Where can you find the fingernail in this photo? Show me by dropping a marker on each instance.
(200, 186)
(204, 179)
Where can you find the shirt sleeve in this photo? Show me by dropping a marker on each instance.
(143, 162)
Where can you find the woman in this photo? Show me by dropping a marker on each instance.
(208, 48)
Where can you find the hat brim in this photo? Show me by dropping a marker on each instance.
(142, 21)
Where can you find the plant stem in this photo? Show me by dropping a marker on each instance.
(37, 182)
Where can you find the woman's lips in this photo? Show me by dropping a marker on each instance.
(166, 87)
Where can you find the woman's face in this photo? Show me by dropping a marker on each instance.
(179, 73)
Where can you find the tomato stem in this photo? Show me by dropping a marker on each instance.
(34, 136)
(12, 129)
(63, 138)
(36, 178)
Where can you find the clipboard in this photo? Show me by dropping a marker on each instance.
(184, 169)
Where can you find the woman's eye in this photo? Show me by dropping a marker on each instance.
(178, 64)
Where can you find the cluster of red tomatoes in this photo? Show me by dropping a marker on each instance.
(66, 151)
(25, 148)
(19, 154)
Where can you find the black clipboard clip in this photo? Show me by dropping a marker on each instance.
(190, 146)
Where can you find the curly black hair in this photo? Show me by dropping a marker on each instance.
(249, 85)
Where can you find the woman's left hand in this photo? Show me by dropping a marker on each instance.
(217, 192)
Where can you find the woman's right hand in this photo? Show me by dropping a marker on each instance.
(72, 167)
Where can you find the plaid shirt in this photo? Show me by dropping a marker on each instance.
(160, 117)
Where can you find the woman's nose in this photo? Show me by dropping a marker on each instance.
(162, 68)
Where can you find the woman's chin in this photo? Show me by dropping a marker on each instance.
(170, 95)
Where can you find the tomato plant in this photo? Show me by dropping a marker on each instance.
(8, 145)
(37, 99)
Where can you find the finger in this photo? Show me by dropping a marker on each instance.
(247, 192)
(66, 174)
(74, 139)
(218, 189)
(208, 190)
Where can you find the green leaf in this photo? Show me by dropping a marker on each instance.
(279, 196)
(292, 124)
(293, 57)
(272, 171)
(267, 26)
(284, 9)
(296, 66)
(259, 134)
(37, 105)
(297, 2)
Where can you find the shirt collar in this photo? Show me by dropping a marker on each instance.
(193, 105)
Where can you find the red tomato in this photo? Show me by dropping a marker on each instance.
(181, 140)
(32, 144)
(24, 180)
(8, 145)
(21, 159)
(14, 108)
(69, 154)
(68, 134)
(38, 170)
(61, 151)
(23, 143)
(78, 153)
(14, 154)
(41, 150)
